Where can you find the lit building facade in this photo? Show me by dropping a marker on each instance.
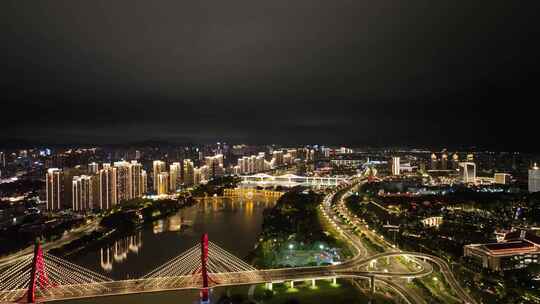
(124, 180)
(174, 176)
(162, 183)
(93, 168)
(107, 187)
(188, 172)
(82, 194)
(158, 168)
(468, 172)
(502, 178)
(534, 179)
(395, 166)
(518, 250)
(137, 182)
(144, 182)
(53, 189)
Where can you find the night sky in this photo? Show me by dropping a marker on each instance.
(428, 73)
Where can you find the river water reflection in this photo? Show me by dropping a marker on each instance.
(232, 223)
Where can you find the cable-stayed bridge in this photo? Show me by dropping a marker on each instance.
(44, 277)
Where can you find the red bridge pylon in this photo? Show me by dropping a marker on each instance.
(38, 274)
(204, 294)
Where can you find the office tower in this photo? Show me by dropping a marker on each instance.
(2, 159)
(136, 179)
(470, 157)
(395, 166)
(53, 189)
(159, 166)
(174, 176)
(93, 168)
(82, 193)
(137, 154)
(124, 181)
(188, 172)
(468, 172)
(534, 179)
(144, 182)
(107, 185)
(502, 178)
(162, 183)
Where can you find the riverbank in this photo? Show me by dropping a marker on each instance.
(123, 221)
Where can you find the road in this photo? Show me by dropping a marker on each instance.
(65, 239)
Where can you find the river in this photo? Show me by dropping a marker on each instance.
(232, 223)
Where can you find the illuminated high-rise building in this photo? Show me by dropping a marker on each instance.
(136, 179)
(470, 157)
(214, 165)
(395, 166)
(188, 172)
(468, 172)
(144, 182)
(93, 168)
(159, 166)
(54, 189)
(96, 191)
(259, 163)
(243, 164)
(162, 183)
(278, 158)
(534, 179)
(292, 153)
(310, 155)
(124, 181)
(444, 161)
(434, 162)
(107, 187)
(174, 176)
(197, 176)
(82, 193)
(287, 159)
(455, 161)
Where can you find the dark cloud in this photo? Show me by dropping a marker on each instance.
(381, 72)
